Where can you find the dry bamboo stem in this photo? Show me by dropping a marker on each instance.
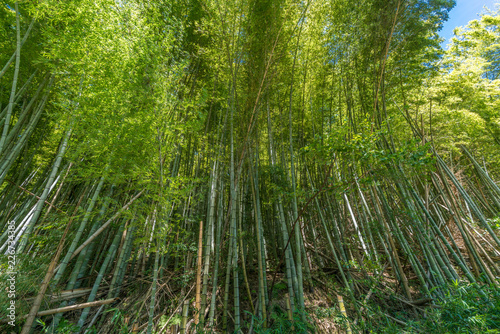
(343, 311)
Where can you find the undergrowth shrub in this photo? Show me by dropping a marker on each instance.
(466, 309)
(23, 284)
(280, 324)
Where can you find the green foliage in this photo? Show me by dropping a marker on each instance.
(465, 309)
(495, 223)
(460, 104)
(276, 180)
(29, 273)
(471, 309)
(175, 320)
(328, 312)
(365, 148)
(64, 327)
(280, 324)
(145, 86)
(118, 321)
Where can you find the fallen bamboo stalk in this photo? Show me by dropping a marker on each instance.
(64, 295)
(70, 308)
(402, 323)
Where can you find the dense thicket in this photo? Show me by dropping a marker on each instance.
(235, 166)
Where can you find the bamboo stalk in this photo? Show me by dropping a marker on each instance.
(185, 311)
(344, 313)
(198, 276)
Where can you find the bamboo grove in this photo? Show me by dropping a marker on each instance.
(232, 166)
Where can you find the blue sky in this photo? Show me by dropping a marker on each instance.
(463, 12)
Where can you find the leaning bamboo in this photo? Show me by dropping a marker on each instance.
(48, 187)
(14, 55)
(14, 82)
(79, 233)
(100, 276)
(48, 276)
(104, 226)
